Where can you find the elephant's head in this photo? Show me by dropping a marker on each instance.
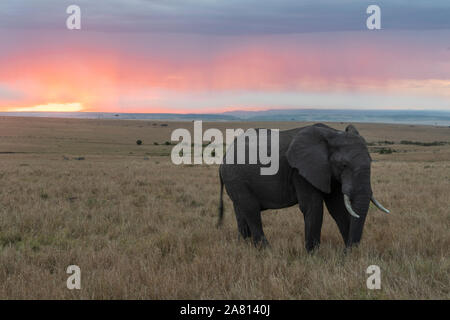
(336, 162)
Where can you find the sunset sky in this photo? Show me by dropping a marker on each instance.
(213, 56)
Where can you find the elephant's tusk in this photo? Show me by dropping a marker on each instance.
(349, 206)
(379, 206)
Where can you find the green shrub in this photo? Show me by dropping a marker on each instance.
(385, 151)
(424, 144)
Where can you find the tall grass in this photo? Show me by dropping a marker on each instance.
(145, 229)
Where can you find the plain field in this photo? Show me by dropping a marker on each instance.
(141, 227)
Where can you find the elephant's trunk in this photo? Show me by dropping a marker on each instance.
(360, 205)
(357, 194)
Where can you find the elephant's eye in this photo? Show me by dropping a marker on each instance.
(344, 165)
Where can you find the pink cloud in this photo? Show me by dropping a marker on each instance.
(98, 70)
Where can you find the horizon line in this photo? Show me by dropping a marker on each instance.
(231, 111)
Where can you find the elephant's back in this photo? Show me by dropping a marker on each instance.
(284, 139)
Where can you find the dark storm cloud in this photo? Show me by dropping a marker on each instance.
(226, 16)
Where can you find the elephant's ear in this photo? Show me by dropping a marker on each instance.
(308, 152)
(351, 128)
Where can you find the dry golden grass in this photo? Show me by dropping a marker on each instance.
(146, 228)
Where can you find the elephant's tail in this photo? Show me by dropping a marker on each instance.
(219, 221)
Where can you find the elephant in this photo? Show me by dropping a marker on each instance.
(317, 164)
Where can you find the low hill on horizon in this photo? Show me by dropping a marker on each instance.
(432, 117)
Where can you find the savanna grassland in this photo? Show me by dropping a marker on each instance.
(83, 192)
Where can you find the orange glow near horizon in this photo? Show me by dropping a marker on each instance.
(51, 107)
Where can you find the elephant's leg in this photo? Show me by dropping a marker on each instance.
(250, 210)
(313, 216)
(248, 214)
(311, 204)
(336, 207)
(254, 221)
(243, 228)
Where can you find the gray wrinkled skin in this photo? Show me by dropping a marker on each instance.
(318, 165)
